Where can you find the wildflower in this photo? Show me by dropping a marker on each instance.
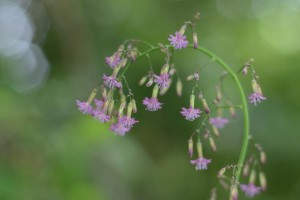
(162, 80)
(178, 41)
(98, 103)
(218, 122)
(119, 128)
(113, 60)
(256, 97)
(201, 163)
(101, 116)
(127, 122)
(250, 189)
(84, 107)
(152, 104)
(190, 113)
(111, 82)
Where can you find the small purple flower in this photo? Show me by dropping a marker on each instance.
(178, 41)
(84, 107)
(119, 128)
(113, 60)
(256, 97)
(218, 122)
(190, 113)
(102, 117)
(162, 80)
(250, 190)
(128, 122)
(201, 163)
(98, 103)
(152, 104)
(111, 82)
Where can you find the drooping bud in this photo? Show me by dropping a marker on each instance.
(206, 133)
(123, 62)
(223, 184)
(134, 107)
(190, 150)
(190, 77)
(143, 80)
(233, 192)
(179, 87)
(252, 177)
(104, 93)
(219, 93)
(192, 101)
(246, 169)
(212, 144)
(216, 131)
(232, 112)
(262, 181)
(199, 149)
(165, 69)
(263, 157)
(196, 76)
(129, 109)
(155, 91)
(122, 105)
(133, 54)
(195, 40)
(150, 82)
(245, 70)
(205, 106)
(92, 96)
(213, 194)
(111, 107)
(221, 171)
(182, 29)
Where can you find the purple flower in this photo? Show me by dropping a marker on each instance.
(178, 41)
(152, 104)
(201, 163)
(128, 122)
(162, 80)
(111, 82)
(256, 97)
(98, 103)
(218, 122)
(190, 113)
(250, 189)
(113, 60)
(102, 117)
(119, 128)
(84, 107)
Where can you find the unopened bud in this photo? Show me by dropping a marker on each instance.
(104, 93)
(195, 40)
(262, 181)
(232, 112)
(245, 70)
(221, 171)
(233, 192)
(206, 133)
(190, 150)
(92, 96)
(216, 131)
(179, 87)
(155, 91)
(224, 184)
(111, 107)
(143, 80)
(196, 76)
(213, 194)
(134, 107)
(122, 105)
(172, 71)
(190, 77)
(263, 157)
(192, 101)
(212, 144)
(199, 149)
(205, 106)
(219, 94)
(256, 87)
(123, 62)
(150, 82)
(165, 69)
(182, 29)
(246, 169)
(252, 177)
(132, 54)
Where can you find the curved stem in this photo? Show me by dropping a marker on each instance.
(244, 148)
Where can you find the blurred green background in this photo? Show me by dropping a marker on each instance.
(52, 53)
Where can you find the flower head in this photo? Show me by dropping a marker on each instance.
(256, 97)
(84, 107)
(119, 128)
(190, 113)
(201, 163)
(178, 41)
(113, 60)
(152, 104)
(218, 122)
(111, 82)
(98, 103)
(127, 121)
(162, 80)
(250, 189)
(101, 116)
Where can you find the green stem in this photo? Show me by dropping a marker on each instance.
(244, 148)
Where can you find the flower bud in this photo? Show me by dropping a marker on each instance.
(221, 171)
(263, 157)
(172, 71)
(219, 94)
(245, 70)
(199, 149)
(262, 181)
(212, 144)
(216, 131)
(143, 80)
(232, 112)
(233, 192)
(179, 87)
(133, 54)
(205, 106)
(111, 107)
(192, 101)
(123, 62)
(134, 107)
(195, 40)
(182, 29)
(155, 91)
(122, 105)
(165, 69)
(252, 176)
(246, 169)
(92, 96)
(190, 147)
(150, 82)
(206, 133)
(165, 90)
(104, 93)
(223, 184)
(190, 77)
(213, 194)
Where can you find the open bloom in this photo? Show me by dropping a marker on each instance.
(190, 113)
(84, 107)
(250, 189)
(127, 121)
(101, 116)
(113, 60)
(201, 163)
(111, 82)
(152, 104)
(256, 97)
(178, 41)
(98, 103)
(119, 128)
(162, 80)
(218, 122)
